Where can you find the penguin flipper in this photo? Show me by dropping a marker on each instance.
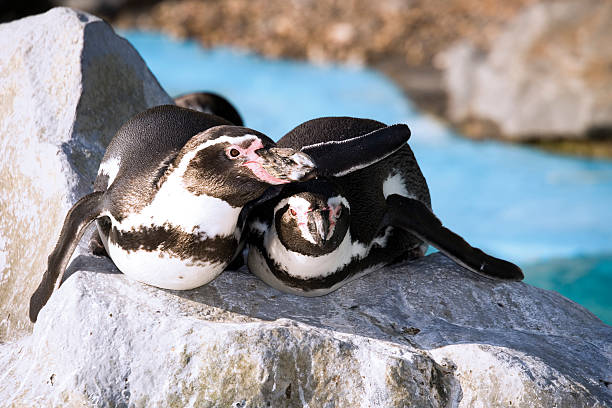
(79, 217)
(337, 158)
(414, 216)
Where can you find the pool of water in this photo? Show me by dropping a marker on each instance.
(550, 214)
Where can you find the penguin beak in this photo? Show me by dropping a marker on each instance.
(318, 224)
(280, 165)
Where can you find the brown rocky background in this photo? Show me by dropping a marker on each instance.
(402, 38)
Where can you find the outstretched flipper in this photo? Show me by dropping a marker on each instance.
(414, 216)
(340, 157)
(79, 217)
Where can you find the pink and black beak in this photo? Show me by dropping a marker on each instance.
(319, 225)
(278, 165)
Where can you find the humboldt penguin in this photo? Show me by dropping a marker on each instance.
(316, 236)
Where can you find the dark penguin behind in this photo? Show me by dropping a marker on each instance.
(209, 102)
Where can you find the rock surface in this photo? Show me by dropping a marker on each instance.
(426, 333)
(67, 83)
(547, 75)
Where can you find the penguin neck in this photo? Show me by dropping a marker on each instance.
(205, 214)
(306, 266)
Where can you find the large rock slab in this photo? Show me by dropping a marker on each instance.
(546, 76)
(425, 334)
(67, 83)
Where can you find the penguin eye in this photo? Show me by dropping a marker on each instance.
(234, 153)
(293, 212)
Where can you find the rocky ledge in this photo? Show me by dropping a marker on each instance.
(426, 334)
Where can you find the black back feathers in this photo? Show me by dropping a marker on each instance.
(209, 102)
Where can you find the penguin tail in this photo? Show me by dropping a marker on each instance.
(86, 210)
(414, 216)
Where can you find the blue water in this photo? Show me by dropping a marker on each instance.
(550, 214)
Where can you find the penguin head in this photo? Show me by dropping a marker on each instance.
(209, 102)
(238, 164)
(314, 221)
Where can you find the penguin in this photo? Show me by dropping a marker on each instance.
(206, 102)
(170, 192)
(318, 235)
(209, 102)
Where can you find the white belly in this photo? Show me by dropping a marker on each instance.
(174, 207)
(306, 267)
(163, 270)
(258, 266)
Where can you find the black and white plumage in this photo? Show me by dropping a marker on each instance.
(170, 194)
(318, 235)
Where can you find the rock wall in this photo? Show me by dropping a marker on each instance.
(423, 334)
(546, 76)
(67, 83)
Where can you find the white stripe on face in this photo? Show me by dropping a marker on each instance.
(335, 206)
(335, 201)
(221, 139)
(301, 208)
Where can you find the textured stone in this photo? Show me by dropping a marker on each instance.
(67, 82)
(547, 75)
(426, 333)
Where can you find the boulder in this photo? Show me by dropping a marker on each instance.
(424, 334)
(67, 83)
(546, 76)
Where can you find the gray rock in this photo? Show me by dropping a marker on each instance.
(425, 334)
(547, 75)
(67, 84)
